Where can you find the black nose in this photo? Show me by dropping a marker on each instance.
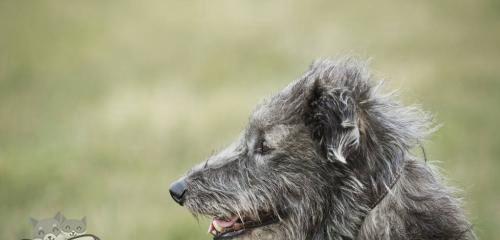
(178, 191)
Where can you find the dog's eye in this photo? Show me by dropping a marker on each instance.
(261, 147)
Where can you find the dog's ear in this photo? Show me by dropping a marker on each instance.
(332, 118)
(332, 109)
(345, 112)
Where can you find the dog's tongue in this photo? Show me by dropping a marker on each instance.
(219, 225)
(225, 223)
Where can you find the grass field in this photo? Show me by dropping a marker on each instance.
(104, 103)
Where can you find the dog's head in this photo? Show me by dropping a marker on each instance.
(308, 149)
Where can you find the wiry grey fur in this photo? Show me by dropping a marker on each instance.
(320, 154)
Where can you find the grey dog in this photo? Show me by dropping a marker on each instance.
(328, 157)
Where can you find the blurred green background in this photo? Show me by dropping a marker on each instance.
(104, 103)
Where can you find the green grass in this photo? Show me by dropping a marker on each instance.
(104, 103)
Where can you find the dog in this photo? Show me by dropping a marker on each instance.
(328, 157)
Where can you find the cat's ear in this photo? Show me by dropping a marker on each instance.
(33, 221)
(59, 217)
(84, 220)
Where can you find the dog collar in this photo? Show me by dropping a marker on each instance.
(384, 194)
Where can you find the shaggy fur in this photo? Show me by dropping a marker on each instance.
(330, 155)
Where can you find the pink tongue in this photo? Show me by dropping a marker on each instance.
(224, 223)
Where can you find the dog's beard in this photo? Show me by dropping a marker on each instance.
(234, 222)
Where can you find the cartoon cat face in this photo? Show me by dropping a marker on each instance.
(73, 227)
(46, 229)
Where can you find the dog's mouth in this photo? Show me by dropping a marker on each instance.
(228, 228)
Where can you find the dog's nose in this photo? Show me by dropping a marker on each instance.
(178, 191)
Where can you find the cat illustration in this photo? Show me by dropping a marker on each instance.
(72, 227)
(46, 229)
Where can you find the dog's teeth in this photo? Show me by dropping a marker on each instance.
(211, 228)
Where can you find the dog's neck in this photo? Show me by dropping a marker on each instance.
(362, 189)
(384, 170)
